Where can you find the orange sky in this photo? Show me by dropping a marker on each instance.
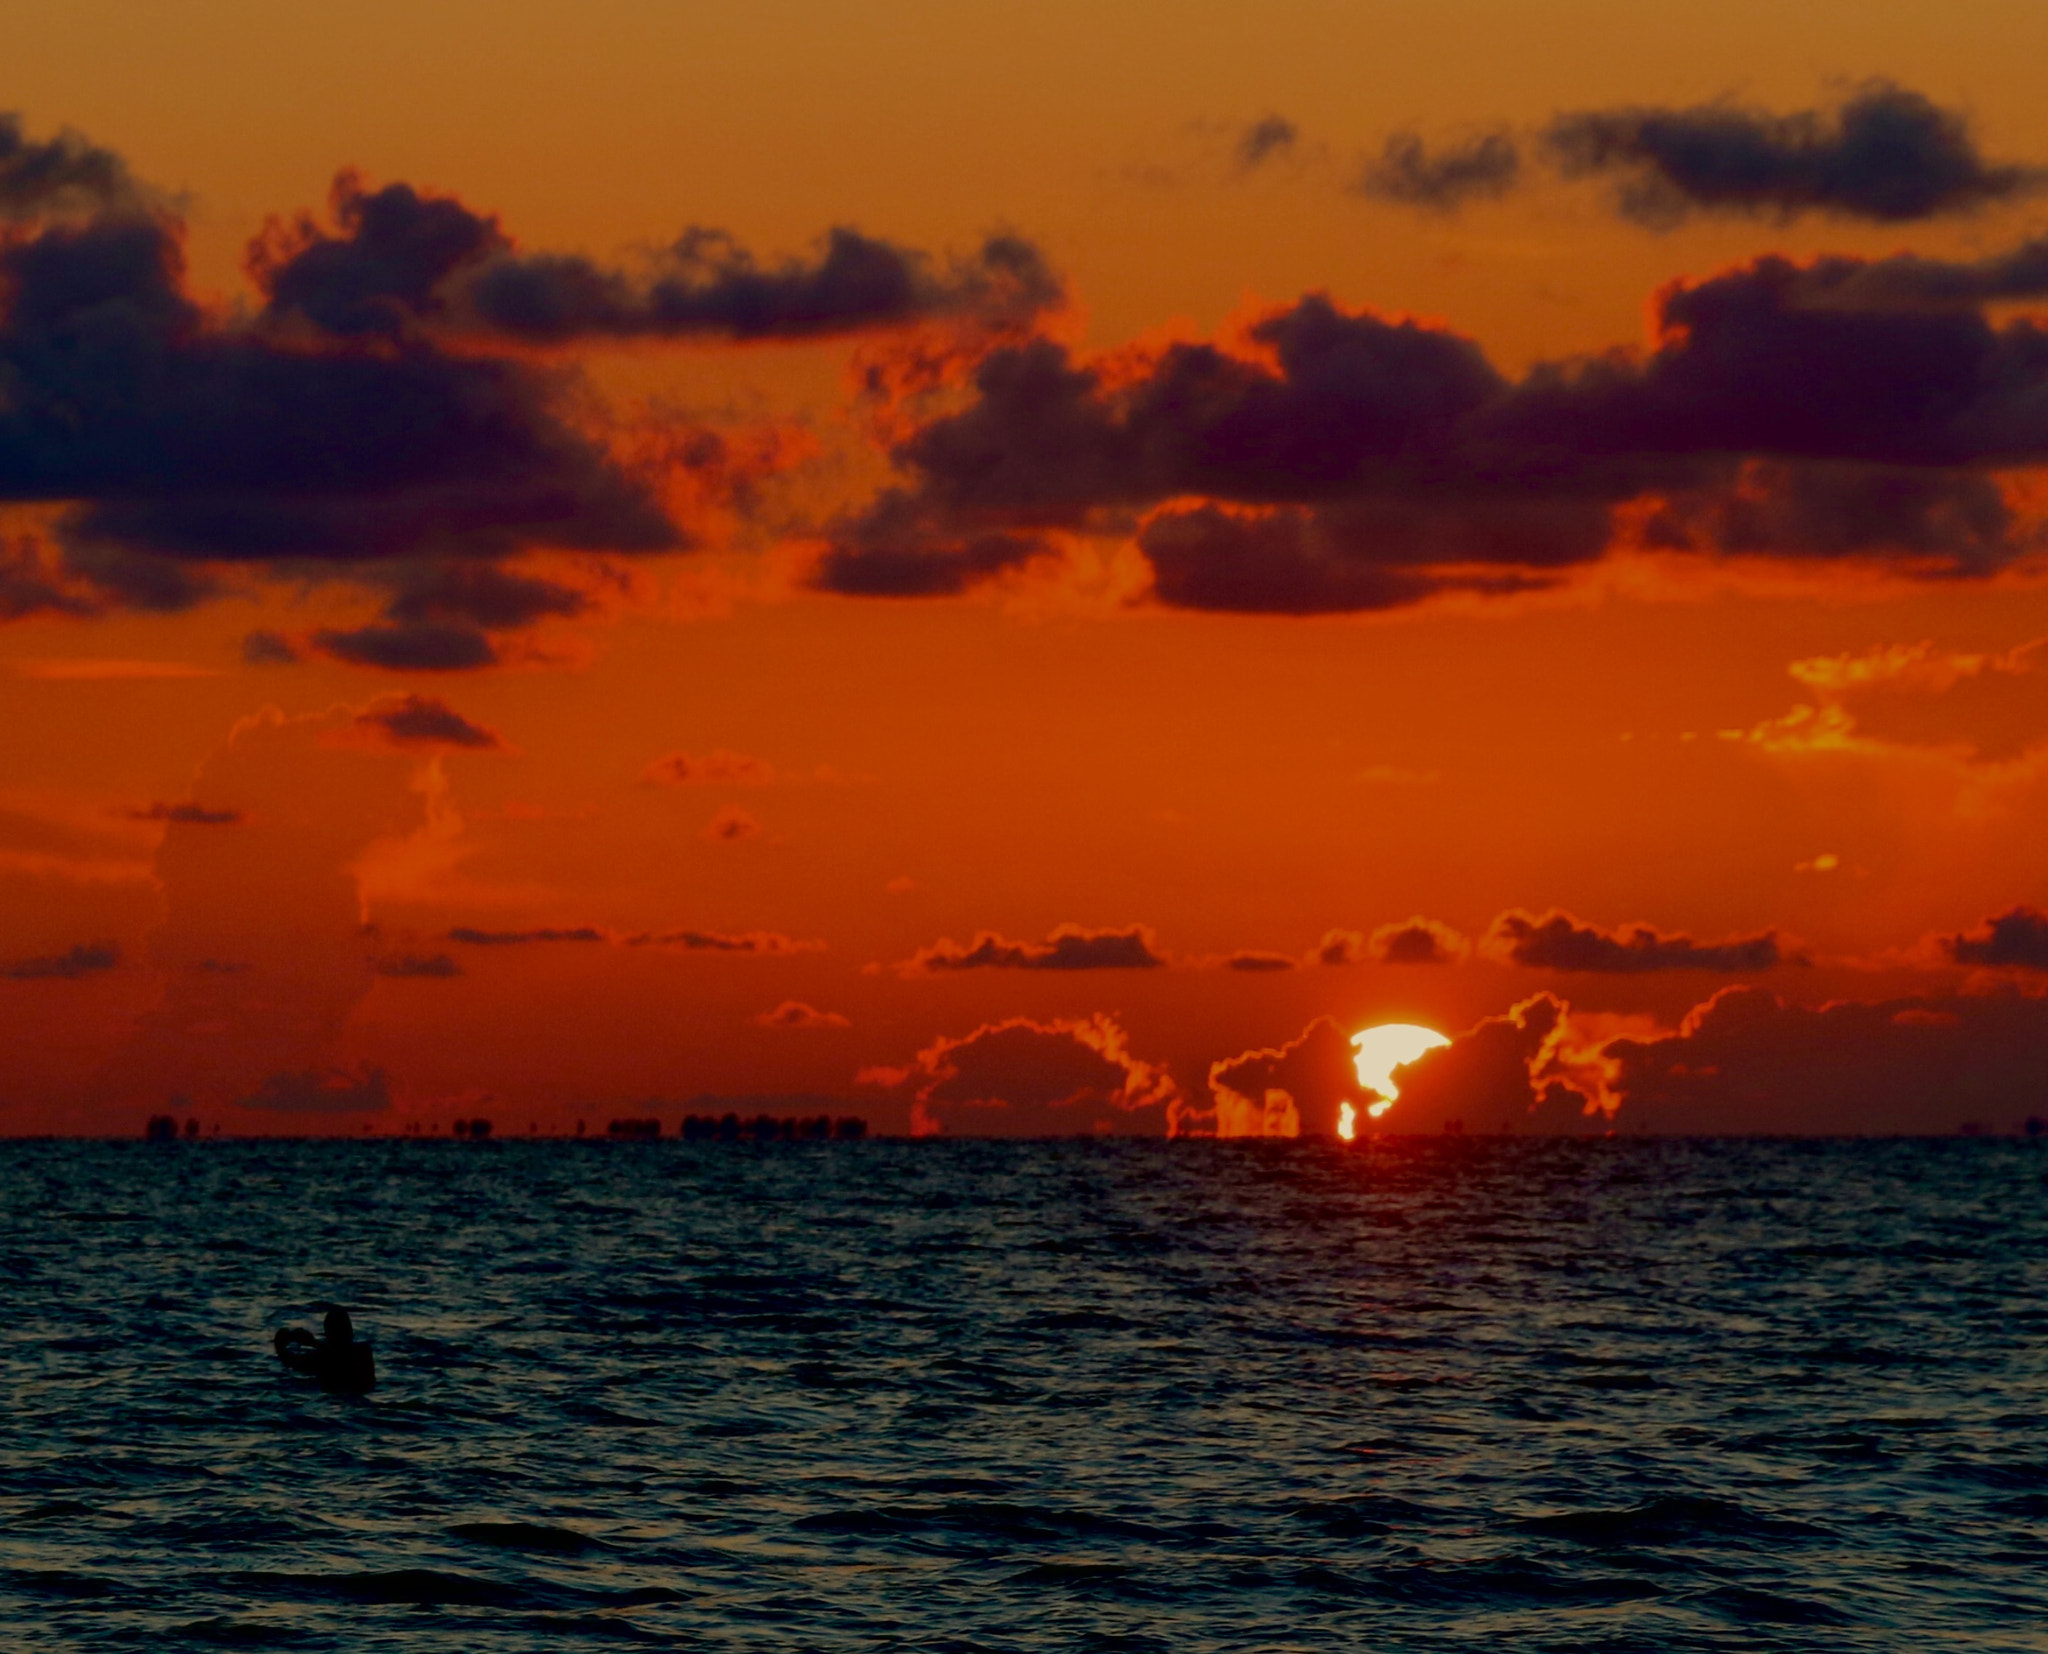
(1803, 749)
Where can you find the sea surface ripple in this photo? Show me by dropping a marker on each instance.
(1612, 1395)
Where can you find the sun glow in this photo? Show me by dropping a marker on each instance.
(1379, 1051)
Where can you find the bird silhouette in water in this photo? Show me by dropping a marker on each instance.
(342, 1364)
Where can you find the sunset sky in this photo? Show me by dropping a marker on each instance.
(1024, 568)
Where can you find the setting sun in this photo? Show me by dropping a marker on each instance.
(1380, 1051)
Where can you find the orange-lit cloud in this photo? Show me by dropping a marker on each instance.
(1067, 948)
(1559, 942)
(1022, 1078)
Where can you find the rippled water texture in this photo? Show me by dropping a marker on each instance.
(1175, 1396)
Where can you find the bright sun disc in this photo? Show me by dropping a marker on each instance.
(1383, 1049)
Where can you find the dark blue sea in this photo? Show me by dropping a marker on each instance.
(1176, 1396)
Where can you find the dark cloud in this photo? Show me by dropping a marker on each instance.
(1252, 960)
(423, 721)
(186, 815)
(181, 442)
(888, 551)
(731, 824)
(31, 585)
(398, 262)
(1483, 166)
(1885, 153)
(323, 1091)
(2018, 936)
(1068, 948)
(718, 768)
(1348, 463)
(425, 646)
(426, 965)
(263, 648)
(689, 941)
(1266, 139)
(707, 285)
(1418, 941)
(1510, 1073)
(60, 174)
(714, 941)
(1293, 1088)
(513, 938)
(1559, 942)
(794, 1013)
(1747, 1062)
(1021, 1078)
(86, 959)
(383, 270)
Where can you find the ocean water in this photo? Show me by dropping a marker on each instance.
(1082, 1395)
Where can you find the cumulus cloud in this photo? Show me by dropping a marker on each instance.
(794, 1013)
(2019, 936)
(1559, 942)
(323, 1091)
(1021, 1078)
(397, 261)
(378, 420)
(1287, 1090)
(1416, 941)
(1885, 153)
(422, 721)
(1482, 166)
(1336, 462)
(61, 174)
(1747, 1061)
(1067, 948)
(1532, 1069)
(86, 959)
(718, 768)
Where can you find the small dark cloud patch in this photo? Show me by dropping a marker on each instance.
(689, 941)
(1068, 948)
(1885, 153)
(1252, 960)
(266, 648)
(794, 1013)
(718, 941)
(1267, 139)
(423, 721)
(323, 1091)
(730, 825)
(1418, 941)
(518, 938)
(1559, 942)
(717, 768)
(2016, 937)
(1483, 166)
(429, 965)
(186, 815)
(86, 959)
(416, 646)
